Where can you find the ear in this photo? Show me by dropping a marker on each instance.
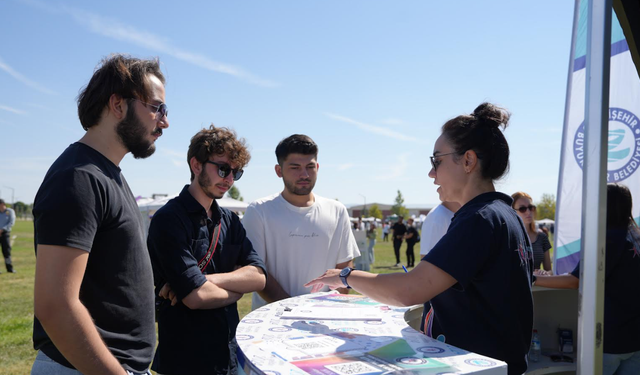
(279, 170)
(118, 106)
(196, 166)
(470, 161)
(317, 166)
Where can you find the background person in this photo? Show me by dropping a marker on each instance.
(298, 233)
(435, 225)
(7, 220)
(385, 231)
(621, 352)
(478, 276)
(411, 237)
(398, 231)
(523, 204)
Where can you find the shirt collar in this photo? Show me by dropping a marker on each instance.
(193, 206)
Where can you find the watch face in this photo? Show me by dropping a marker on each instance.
(345, 272)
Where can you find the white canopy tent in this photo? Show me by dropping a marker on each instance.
(148, 207)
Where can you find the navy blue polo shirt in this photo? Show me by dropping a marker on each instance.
(195, 341)
(490, 309)
(621, 291)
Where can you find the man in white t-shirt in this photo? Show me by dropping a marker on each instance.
(297, 233)
(435, 225)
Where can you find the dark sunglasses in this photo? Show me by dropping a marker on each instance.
(225, 169)
(161, 109)
(524, 209)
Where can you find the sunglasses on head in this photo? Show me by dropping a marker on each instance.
(524, 209)
(225, 169)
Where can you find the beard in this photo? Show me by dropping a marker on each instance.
(204, 181)
(133, 135)
(299, 190)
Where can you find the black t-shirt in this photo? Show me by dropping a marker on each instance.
(413, 230)
(399, 229)
(621, 292)
(490, 309)
(84, 202)
(196, 341)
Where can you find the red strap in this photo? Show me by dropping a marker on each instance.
(202, 264)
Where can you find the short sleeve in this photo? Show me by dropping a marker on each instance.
(69, 209)
(464, 249)
(546, 245)
(254, 229)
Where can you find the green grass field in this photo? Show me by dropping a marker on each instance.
(16, 298)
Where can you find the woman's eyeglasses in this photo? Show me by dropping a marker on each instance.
(524, 209)
(435, 162)
(225, 169)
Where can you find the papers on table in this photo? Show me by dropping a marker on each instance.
(324, 312)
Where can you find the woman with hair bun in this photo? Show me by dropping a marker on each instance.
(478, 276)
(523, 204)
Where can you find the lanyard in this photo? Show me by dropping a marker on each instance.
(202, 264)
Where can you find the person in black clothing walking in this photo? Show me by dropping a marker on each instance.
(412, 236)
(399, 230)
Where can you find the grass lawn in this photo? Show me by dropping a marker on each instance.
(16, 298)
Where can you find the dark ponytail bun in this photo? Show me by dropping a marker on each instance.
(481, 133)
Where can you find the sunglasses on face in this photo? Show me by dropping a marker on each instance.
(225, 169)
(524, 209)
(161, 109)
(435, 162)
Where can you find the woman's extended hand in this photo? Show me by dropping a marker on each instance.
(330, 278)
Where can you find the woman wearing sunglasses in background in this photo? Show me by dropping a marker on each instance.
(478, 276)
(524, 207)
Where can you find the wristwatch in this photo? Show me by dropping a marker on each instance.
(344, 274)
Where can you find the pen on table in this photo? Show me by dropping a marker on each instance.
(404, 268)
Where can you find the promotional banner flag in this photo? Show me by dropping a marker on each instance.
(623, 143)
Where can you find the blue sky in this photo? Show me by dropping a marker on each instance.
(371, 82)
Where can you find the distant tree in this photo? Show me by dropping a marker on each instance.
(546, 207)
(20, 207)
(374, 211)
(398, 208)
(234, 193)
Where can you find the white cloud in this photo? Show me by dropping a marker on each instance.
(34, 85)
(391, 121)
(13, 110)
(114, 29)
(374, 129)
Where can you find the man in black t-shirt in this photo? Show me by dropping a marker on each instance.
(399, 230)
(411, 237)
(203, 262)
(93, 296)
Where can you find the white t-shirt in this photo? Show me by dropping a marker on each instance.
(435, 226)
(298, 244)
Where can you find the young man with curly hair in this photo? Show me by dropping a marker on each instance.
(203, 262)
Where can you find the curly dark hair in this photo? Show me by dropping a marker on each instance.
(218, 141)
(117, 74)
